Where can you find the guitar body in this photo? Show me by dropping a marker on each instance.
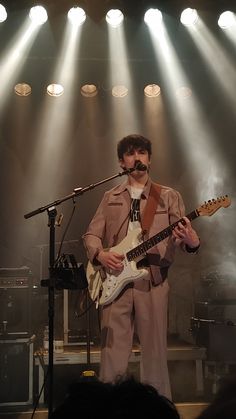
(106, 285)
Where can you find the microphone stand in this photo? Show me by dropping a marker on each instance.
(52, 213)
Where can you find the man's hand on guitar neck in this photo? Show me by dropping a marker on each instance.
(110, 260)
(184, 233)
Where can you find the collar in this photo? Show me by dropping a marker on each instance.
(125, 186)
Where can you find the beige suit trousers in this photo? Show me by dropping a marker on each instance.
(142, 308)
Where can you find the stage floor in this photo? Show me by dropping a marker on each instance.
(186, 411)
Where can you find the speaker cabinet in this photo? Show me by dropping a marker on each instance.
(16, 373)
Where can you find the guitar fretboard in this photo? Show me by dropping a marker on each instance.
(142, 248)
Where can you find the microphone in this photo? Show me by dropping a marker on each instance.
(138, 165)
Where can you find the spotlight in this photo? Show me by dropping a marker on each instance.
(3, 13)
(89, 90)
(119, 91)
(189, 16)
(55, 90)
(226, 20)
(152, 90)
(38, 15)
(114, 17)
(76, 16)
(153, 17)
(22, 89)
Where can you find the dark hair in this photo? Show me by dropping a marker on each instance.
(125, 399)
(133, 142)
(224, 403)
(133, 399)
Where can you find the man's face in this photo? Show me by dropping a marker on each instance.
(132, 155)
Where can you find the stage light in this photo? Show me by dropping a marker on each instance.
(153, 17)
(119, 91)
(55, 90)
(38, 15)
(152, 90)
(3, 13)
(114, 17)
(22, 89)
(76, 16)
(89, 90)
(189, 17)
(226, 20)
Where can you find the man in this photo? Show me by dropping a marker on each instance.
(142, 304)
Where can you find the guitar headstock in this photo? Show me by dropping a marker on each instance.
(211, 206)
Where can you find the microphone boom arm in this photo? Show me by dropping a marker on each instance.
(76, 192)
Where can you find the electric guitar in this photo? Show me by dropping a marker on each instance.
(105, 285)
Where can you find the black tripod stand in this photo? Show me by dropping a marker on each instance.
(52, 213)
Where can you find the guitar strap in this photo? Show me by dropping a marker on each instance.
(150, 209)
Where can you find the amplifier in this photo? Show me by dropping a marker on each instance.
(15, 302)
(18, 282)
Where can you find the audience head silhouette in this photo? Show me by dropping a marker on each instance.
(224, 403)
(126, 399)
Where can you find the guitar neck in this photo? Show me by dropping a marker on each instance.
(142, 248)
